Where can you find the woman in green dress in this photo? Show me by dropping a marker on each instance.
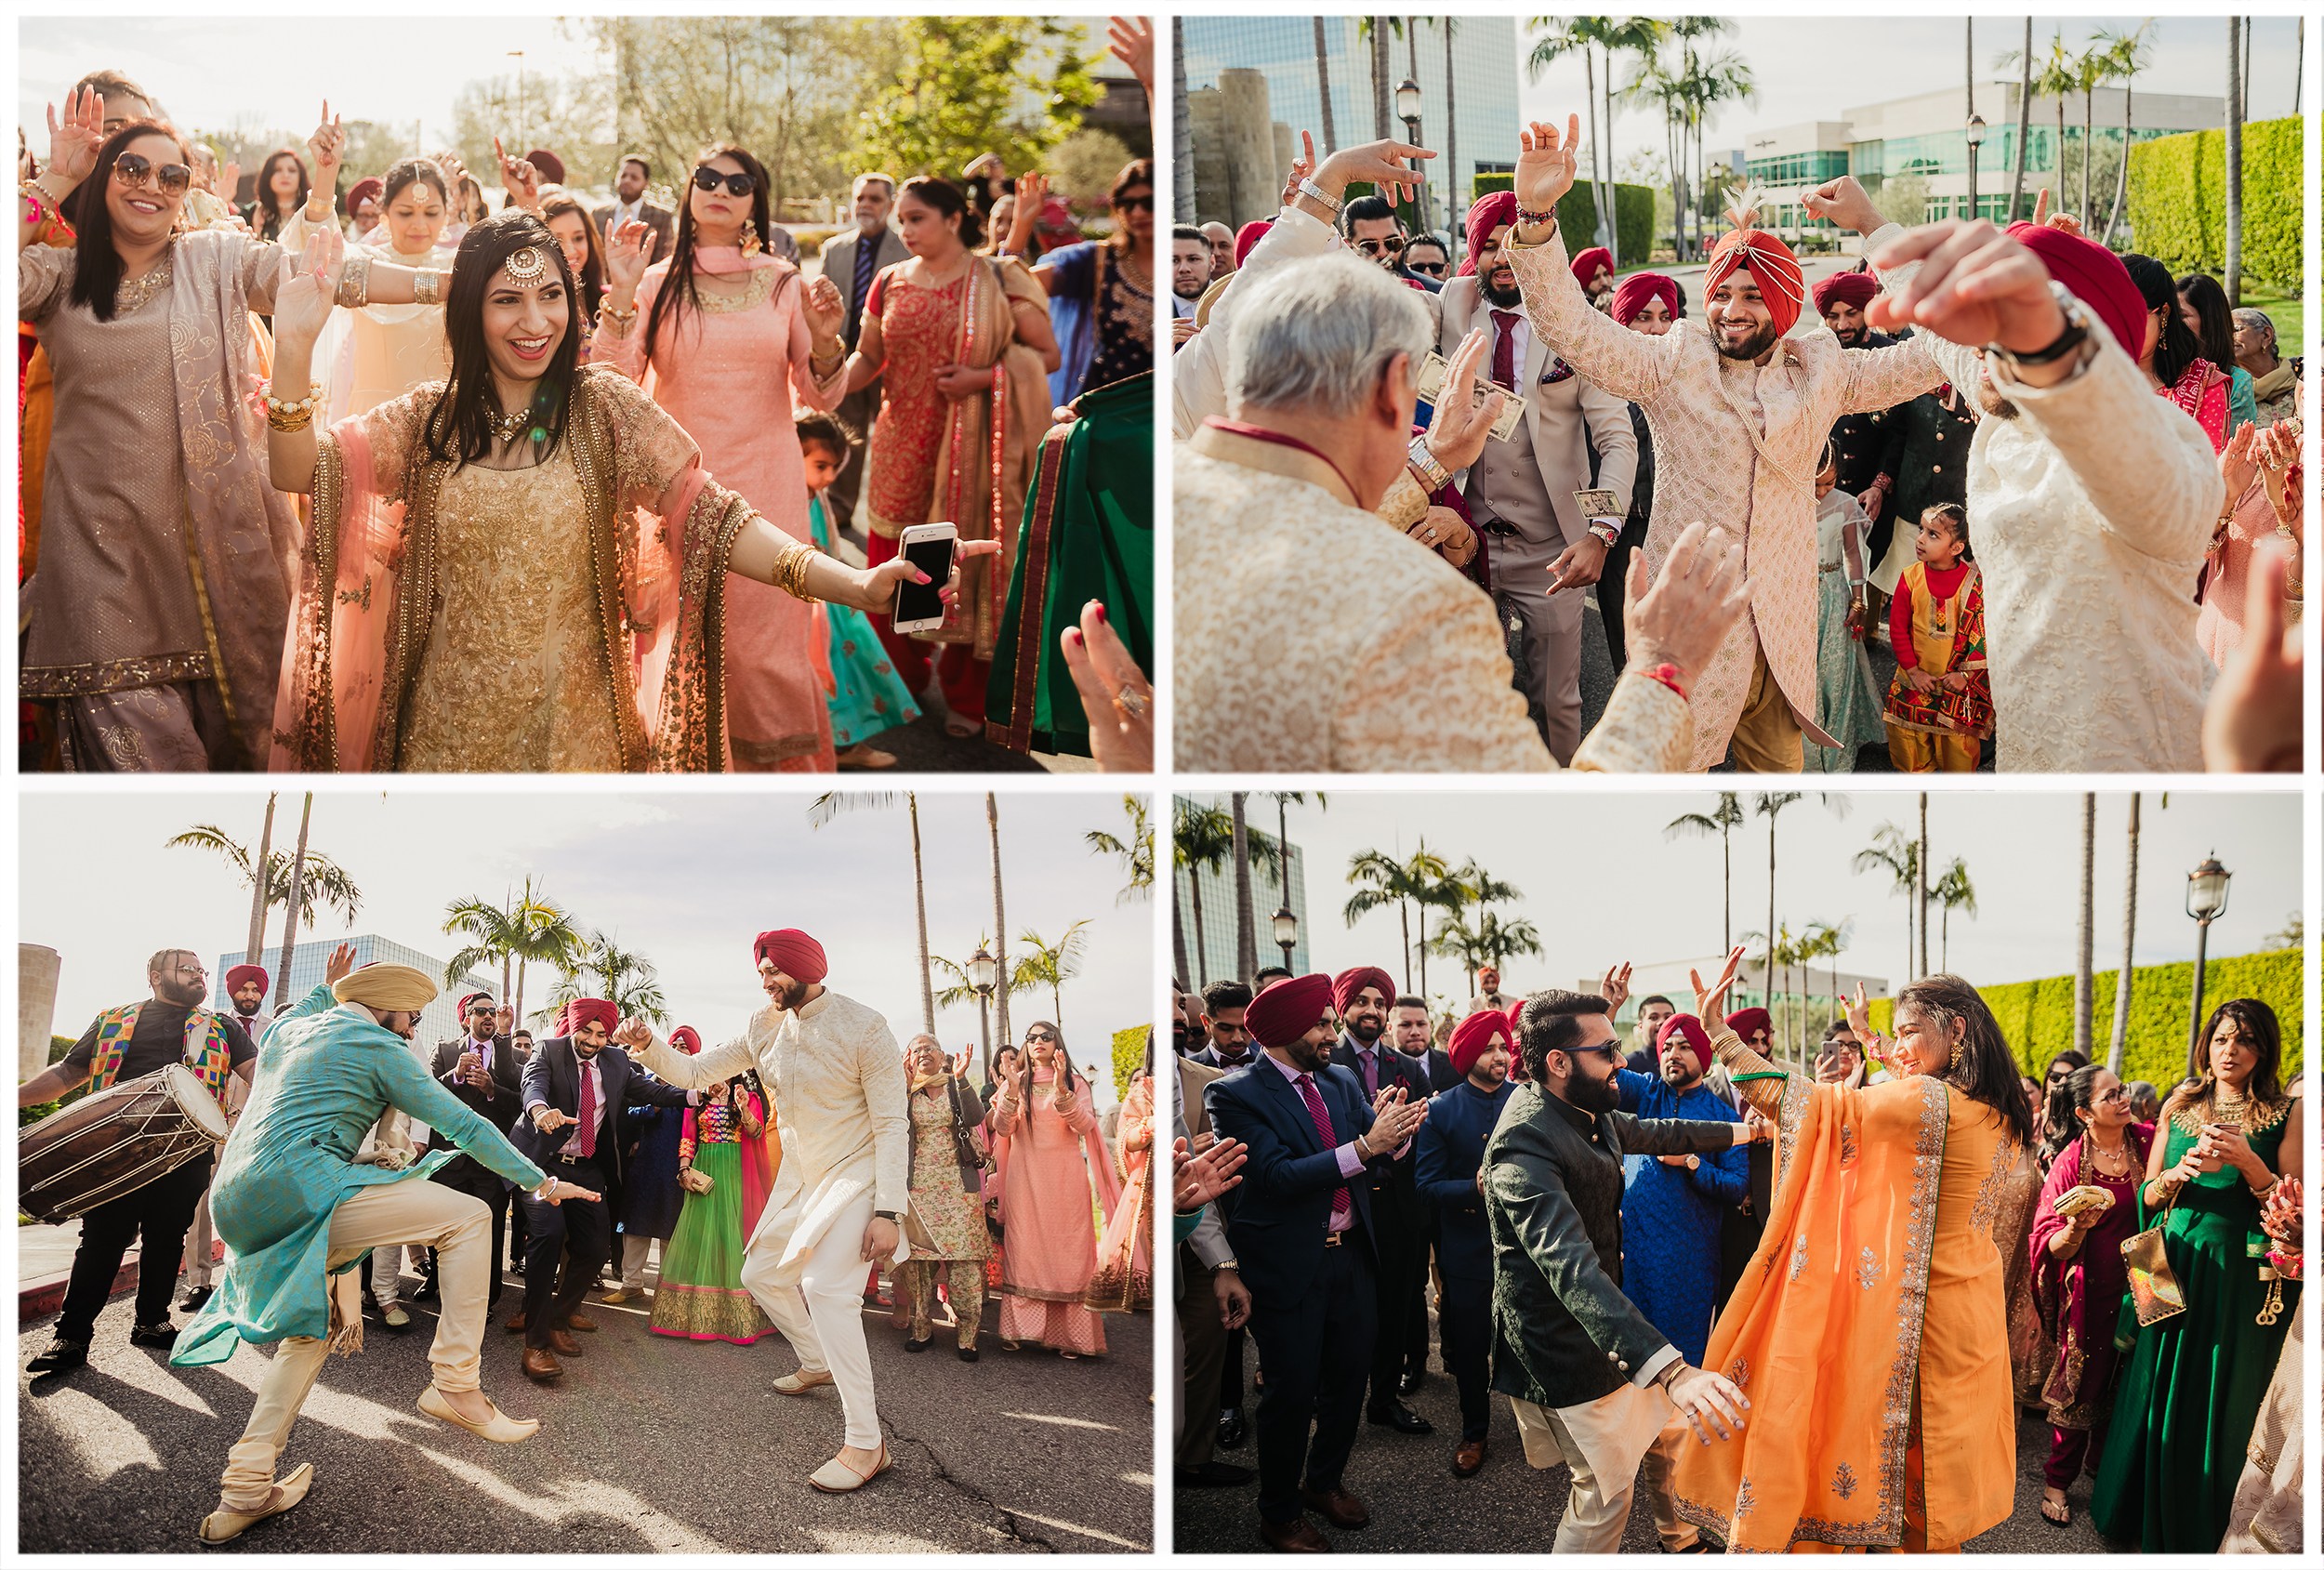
(701, 1297)
(2196, 1379)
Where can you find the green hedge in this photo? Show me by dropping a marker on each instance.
(1129, 1056)
(2178, 202)
(2038, 1017)
(1578, 214)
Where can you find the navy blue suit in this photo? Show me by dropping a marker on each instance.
(1451, 1150)
(1313, 1313)
(1400, 1242)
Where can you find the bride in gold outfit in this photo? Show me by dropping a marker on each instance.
(524, 567)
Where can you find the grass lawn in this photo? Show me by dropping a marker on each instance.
(2288, 313)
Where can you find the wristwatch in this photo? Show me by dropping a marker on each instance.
(1233, 1265)
(896, 1216)
(1606, 530)
(1694, 1162)
(1432, 476)
(2066, 343)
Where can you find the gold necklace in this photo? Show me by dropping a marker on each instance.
(508, 428)
(1137, 278)
(2119, 1164)
(133, 294)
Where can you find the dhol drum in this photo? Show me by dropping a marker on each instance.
(119, 1139)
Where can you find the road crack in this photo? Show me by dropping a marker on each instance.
(1012, 1527)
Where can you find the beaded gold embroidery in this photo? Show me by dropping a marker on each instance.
(112, 676)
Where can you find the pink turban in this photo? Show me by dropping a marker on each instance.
(793, 953)
(1632, 293)
(1347, 984)
(241, 973)
(2094, 276)
(1855, 288)
(1287, 1009)
(581, 1010)
(686, 1039)
(1586, 265)
(1688, 1026)
(1475, 1035)
(1747, 1023)
(470, 998)
(1485, 216)
(1772, 267)
(1249, 235)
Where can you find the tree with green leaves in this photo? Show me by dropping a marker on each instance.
(1134, 850)
(1050, 965)
(1490, 941)
(1952, 891)
(2126, 57)
(325, 880)
(1723, 821)
(601, 967)
(1202, 838)
(1898, 855)
(1421, 878)
(832, 803)
(1014, 86)
(1246, 934)
(522, 931)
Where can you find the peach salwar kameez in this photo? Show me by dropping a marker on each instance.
(1870, 1329)
(1048, 1159)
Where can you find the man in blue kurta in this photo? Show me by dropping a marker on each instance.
(296, 1211)
(1451, 1152)
(1673, 1209)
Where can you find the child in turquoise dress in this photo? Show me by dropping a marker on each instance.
(867, 695)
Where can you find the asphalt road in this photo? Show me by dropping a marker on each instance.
(1419, 1507)
(648, 1447)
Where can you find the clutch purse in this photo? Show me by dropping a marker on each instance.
(2156, 1294)
(2084, 1198)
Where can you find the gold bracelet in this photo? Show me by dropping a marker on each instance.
(355, 282)
(790, 570)
(426, 285)
(620, 319)
(295, 414)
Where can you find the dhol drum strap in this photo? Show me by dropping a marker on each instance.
(206, 1051)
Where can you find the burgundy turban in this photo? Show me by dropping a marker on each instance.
(1747, 1023)
(551, 168)
(1485, 216)
(241, 973)
(363, 191)
(470, 998)
(1249, 235)
(686, 1039)
(2094, 276)
(1474, 1035)
(1586, 265)
(794, 953)
(1692, 1029)
(581, 1010)
(1856, 288)
(1632, 293)
(1347, 984)
(1772, 267)
(1287, 1009)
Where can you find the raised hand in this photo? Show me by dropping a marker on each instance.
(2253, 721)
(1614, 986)
(1691, 605)
(519, 178)
(1712, 1003)
(2064, 223)
(325, 149)
(1975, 287)
(342, 961)
(505, 1020)
(627, 250)
(1547, 163)
(1117, 699)
(1303, 167)
(1847, 204)
(1859, 1012)
(1131, 41)
(1389, 165)
(229, 179)
(1032, 193)
(633, 1036)
(825, 310)
(1458, 431)
(73, 140)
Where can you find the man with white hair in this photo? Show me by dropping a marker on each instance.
(1321, 379)
(852, 259)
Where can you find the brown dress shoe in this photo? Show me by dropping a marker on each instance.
(580, 1321)
(516, 1323)
(1340, 1508)
(1296, 1536)
(1469, 1458)
(563, 1345)
(539, 1364)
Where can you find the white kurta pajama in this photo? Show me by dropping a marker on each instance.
(836, 1077)
(1736, 445)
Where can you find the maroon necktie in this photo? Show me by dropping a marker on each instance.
(1505, 347)
(585, 1143)
(1314, 1099)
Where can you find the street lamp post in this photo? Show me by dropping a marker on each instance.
(1287, 932)
(982, 977)
(1408, 111)
(2206, 901)
(1975, 136)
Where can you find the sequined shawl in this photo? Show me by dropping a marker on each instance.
(661, 534)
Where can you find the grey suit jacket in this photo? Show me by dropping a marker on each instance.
(1556, 416)
(839, 265)
(659, 219)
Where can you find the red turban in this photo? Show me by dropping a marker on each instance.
(1287, 1009)
(794, 953)
(1692, 1029)
(550, 167)
(1249, 235)
(1485, 216)
(581, 1010)
(241, 973)
(1347, 984)
(363, 191)
(1587, 264)
(1855, 288)
(686, 1039)
(1485, 1028)
(472, 998)
(1772, 267)
(1747, 1023)
(1632, 293)
(2094, 276)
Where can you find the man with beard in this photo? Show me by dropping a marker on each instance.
(1592, 1381)
(1673, 1209)
(1190, 269)
(1740, 1227)
(831, 1066)
(1399, 1236)
(1412, 1032)
(1302, 1230)
(1646, 1058)
(1739, 414)
(1541, 549)
(245, 989)
(852, 259)
(2093, 500)
(129, 1043)
(1461, 1118)
(1593, 270)
(480, 1067)
(1860, 439)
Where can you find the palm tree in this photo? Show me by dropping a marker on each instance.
(1454, 206)
(1283, 832)
(1725, 78)
(1921, 894)
(1245, 937)
(1770, 805)
(2130, 936)
(1723, 821)
(1136, 853)
(1490, 941)
(1323, 87)
(2052, 79)
(1898, 855)
(1455, 939)
(1691, 83)
(1182, 139)
(1825, 940)
(1953, 892)
(1641, 36)
(1419, 879)
(525, 930)
(325, 880)
(832, 803)
(2127, 55)
(1472, 884)
(2233, 281)
(1000, 923)
(292, 903)
(1653, 84)
(2081, 931)
(2092, 68)
(1201, 841)
(2024, 117)
(622, 977)
(1051, 965)
(1377, 30)
(1566, 36)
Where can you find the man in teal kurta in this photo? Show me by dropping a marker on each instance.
(296, 1211)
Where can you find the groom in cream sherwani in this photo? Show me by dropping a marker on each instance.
(834, 1073)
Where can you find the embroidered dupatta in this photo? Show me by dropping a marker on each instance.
(1123, 1282)
(2201, 394)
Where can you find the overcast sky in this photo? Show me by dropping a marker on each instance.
(688, 879)
(1814, 69)
(1604, 884)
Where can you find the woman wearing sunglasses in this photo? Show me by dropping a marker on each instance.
(735, 338)
(156, 618)
(1100, 292)
(1051, 1152)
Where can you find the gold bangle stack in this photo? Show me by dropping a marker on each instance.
(619, 320)
(355, 282)
(427, 285)
(790, 570)
(294, 415)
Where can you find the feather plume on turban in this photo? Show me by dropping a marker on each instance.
(399, 988)
(1772, 266)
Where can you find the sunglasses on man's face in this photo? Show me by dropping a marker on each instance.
(133, 170)
(1434, 269)
(707, 178)
(1390, 246)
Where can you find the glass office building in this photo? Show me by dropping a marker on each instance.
(439, 1022)
(1211, 957)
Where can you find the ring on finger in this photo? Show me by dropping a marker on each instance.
(1131, 702)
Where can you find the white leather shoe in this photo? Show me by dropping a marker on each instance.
(802, 1381)
(500, 1427)
(223, 1525)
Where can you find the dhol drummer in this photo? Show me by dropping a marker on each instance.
(245, 989)
(293, 1205)
(127, 1043)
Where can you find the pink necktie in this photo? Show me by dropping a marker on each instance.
(1505, 347)
(1341, 1202)
(585, 1143)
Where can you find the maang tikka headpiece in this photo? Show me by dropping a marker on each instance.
(527, 266)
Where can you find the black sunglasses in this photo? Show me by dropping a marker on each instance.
(1434, 269)
(1136, 203)
(133, 169)
(707, 178)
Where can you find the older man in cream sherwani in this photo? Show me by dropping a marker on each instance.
(835, 1075)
